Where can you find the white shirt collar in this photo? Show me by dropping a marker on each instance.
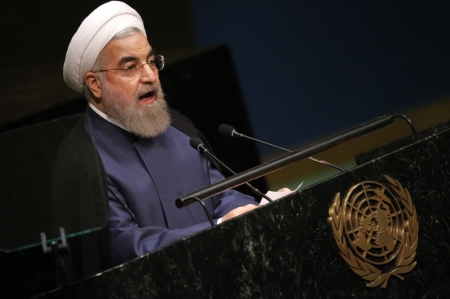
(108, 118)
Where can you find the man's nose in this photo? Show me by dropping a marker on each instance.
(148, 74)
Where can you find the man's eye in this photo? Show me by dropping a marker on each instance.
(151, 62)
(130, 67)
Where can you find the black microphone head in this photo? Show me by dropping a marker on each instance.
(226, 130)
(196, 143)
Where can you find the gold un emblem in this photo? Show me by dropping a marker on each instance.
(376, 230)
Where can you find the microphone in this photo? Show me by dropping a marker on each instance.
(198, 145)
(231, 132)
(280, 162)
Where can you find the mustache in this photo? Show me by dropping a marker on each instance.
(149, 88)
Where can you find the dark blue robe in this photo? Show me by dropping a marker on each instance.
(145, 176)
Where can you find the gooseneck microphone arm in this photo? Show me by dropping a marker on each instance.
(285, 160)
(231, 132)
(413, 129)
(197, 144)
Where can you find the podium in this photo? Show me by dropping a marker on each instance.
(290, 248)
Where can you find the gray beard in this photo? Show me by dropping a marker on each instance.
(143, 121)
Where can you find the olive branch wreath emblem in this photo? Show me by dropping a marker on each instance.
(405, 257)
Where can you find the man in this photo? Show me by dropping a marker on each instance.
(143, 145)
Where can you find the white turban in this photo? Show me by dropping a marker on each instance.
(93, 35)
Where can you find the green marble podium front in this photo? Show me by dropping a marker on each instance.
(287, 249)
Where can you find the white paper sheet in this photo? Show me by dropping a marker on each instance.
(274, 195)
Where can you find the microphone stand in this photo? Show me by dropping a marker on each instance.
(198, 145)
(284, 161)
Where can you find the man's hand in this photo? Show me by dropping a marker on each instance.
(238, 211)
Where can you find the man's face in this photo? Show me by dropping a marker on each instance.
(137, 101)
(133, 50)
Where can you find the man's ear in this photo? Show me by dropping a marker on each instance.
(94, 84)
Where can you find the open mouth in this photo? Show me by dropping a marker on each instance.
(147, 96)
